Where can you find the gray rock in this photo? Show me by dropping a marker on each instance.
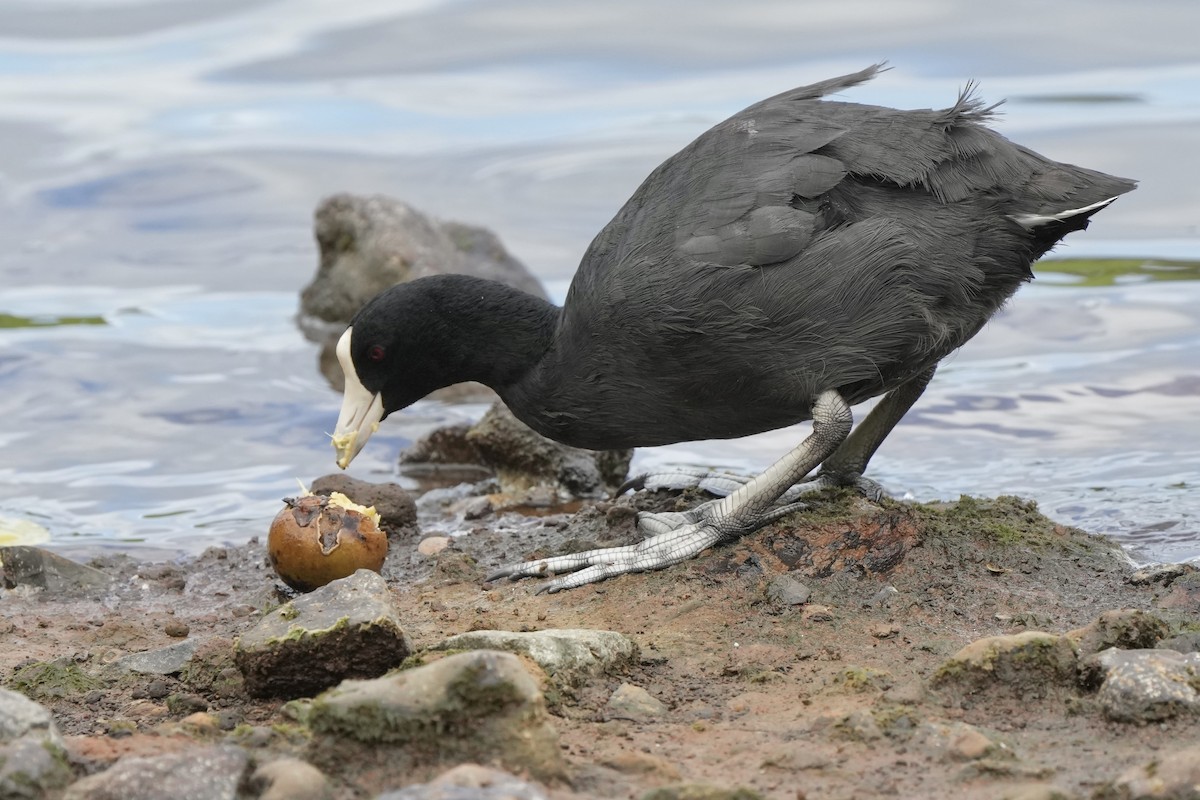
(370, 243)
(170, 660)
(635, 703)
(20, 716)
(1126, 628)
(1170, 776)
(700, 791)
(478, 706)
(1038, 791)
(30, 767)
(858, 726)
(1159, 573)
(198, 773)
(522, 459)
(1185, 593)
(957, 741)
(1186, 642)
(32, 758)
(291, 779)
(346, 629)
(470, 782)
(212, 670)
(1028, 665)
(1144, 685)
(785, 590)
(41, 569)
(905, 693)
(394, 503)
(569, 656)
(885, 596)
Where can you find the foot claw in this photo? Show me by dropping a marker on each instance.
(720, 484)
(591, 566)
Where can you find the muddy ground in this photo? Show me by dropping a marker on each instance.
(831, 698)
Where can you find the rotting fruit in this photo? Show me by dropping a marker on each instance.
(317, 539)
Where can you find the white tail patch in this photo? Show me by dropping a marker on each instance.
(1032, 221)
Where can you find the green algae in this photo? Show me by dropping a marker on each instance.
(47, 680)
(47, 321)
(1095, 272)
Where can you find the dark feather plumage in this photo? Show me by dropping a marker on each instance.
(803, 244)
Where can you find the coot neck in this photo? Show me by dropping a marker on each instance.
(500, 333)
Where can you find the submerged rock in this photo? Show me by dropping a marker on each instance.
(199, 773)
(32, 758)
(477, 706)
(1144, 685)
(345, 629)
(370, 243)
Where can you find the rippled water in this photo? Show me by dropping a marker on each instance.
(159, 163)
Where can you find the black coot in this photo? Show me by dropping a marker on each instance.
(798, 258)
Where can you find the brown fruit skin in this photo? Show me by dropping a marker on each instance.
(313, 541)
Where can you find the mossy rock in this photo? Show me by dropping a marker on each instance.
(1028, 665)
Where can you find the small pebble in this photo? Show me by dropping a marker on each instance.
(177, 629)
(157, 690)
(186, 703)
(228, 719)
(432, 545)
(201, 720)
(885, 595)
(477, 508)
(145, 709)
(292, 779)
(884, 630)
(257, 736)
(787, 591)
(634, 702)
(970, 745)
(816, 613)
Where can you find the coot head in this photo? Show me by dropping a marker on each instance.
(421, 336)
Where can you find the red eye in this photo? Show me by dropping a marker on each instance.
(376, 352)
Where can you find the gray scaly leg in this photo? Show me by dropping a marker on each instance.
(848, 463)
(845, 467)
(749, 507)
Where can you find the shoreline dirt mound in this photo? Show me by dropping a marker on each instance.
(855, 649)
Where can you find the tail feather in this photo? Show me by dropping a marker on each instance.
(1072, 219)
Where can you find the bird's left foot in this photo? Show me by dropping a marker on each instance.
(671, 537)
(675, 537)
